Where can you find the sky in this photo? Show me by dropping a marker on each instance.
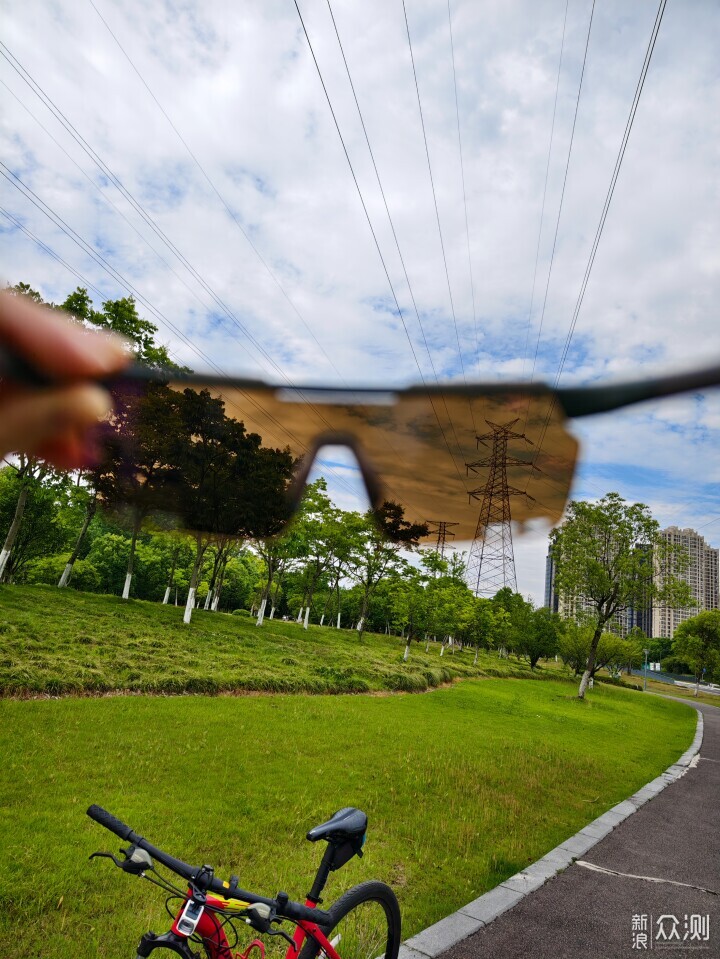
(185, 153)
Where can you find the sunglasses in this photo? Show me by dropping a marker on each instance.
(231, 457)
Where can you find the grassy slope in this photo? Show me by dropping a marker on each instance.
(463, 787)
(61, 641)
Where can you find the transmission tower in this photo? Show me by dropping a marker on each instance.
(491, 564)
(443, 531)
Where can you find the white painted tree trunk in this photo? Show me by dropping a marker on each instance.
(126, 587)
(208, 599)
(65, 578)
(307, 617)
(13, 531)
(407, 653)
(299, 616)
(442, 649)
(166, 597)
(272, 613)
(360, 625)
(215, 602)
(261, 612)
(322, 619)
(189, 605)
(338, 621)
(584, 683)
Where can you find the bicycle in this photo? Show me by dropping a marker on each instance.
(366, 919)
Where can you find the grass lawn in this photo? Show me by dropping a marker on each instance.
(463, 786)
(58, 642)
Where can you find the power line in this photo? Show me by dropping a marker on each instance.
(402, 259)
(212, 185)
(432, 185)
(108, 200)
(562, 193)
(542, 209)
(374, 235)
(50, 252)
(122, 281)
(462, 176)
(60, 116)
(613, 181)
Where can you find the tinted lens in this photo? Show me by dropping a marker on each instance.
(222, 458)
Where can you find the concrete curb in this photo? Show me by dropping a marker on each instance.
(444, 934)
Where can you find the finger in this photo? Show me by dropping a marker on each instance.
(56, 346)
(31, 420)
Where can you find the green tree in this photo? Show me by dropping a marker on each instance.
(380, 534)
(539, 636)
(609, 555)
(697, 642)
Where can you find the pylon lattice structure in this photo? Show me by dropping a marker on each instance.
(443, 531)
(491, 564)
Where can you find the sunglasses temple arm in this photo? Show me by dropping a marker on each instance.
(585, 401)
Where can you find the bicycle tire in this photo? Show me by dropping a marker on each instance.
(367, 920)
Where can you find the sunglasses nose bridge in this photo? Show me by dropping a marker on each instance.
(371, 479)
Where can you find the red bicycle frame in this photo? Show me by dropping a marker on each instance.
(210, 928)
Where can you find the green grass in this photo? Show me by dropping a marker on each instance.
(463, 787)
(58, 642)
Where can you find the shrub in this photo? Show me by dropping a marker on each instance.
(241, 612)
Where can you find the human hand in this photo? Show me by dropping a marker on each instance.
(53, 422)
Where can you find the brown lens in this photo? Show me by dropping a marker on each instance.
(221, 458)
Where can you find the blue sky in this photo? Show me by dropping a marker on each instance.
(263, 215)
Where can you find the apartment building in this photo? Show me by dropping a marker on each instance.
(701, 575)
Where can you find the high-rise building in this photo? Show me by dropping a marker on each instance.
(570, 607)
(701, 575)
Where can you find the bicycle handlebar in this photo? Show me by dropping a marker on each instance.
(294, 911)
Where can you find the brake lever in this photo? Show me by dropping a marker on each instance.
(136, 861)
(281, 932)
(106, 855)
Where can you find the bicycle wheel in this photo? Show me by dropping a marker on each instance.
(365, 924)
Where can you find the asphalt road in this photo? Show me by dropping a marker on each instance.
(583, 912)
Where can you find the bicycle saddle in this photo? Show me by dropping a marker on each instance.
(345, 824)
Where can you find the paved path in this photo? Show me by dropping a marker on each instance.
(585, 912)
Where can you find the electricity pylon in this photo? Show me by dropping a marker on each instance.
(443, 532)
(491, 564)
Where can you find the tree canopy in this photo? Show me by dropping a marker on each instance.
(610, 556)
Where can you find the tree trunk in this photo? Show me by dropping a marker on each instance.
(131, 560)
(170, 579)
(13, 531)
(307, 617)
(590, 667)
(299, 616)
(407, 652)
(322, 619)
(338, 620)
(89, 513)
(261, 612)
(363, 614)
(190, 604)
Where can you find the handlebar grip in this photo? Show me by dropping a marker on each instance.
(109, 821)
